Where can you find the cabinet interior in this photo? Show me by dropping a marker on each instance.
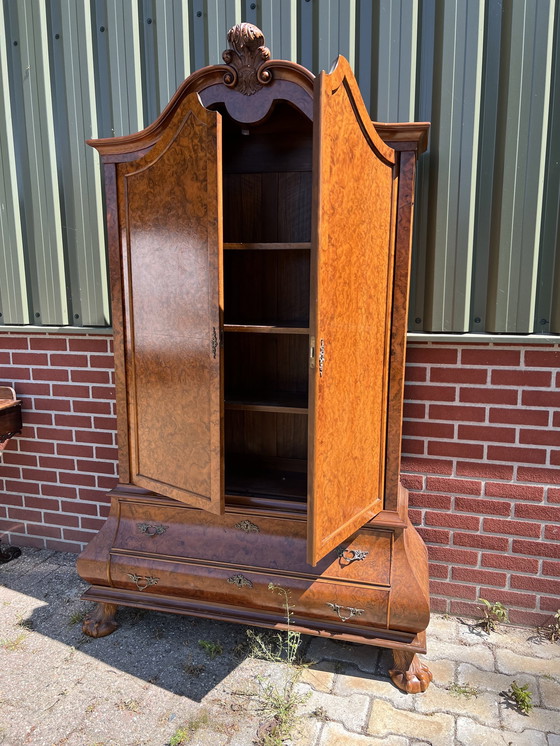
(267, 248)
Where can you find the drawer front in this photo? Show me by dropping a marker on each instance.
(332, 602)
(259, 542)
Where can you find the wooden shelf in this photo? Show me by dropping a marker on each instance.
(262, 481)
(286, 402)
(267, 328)
(283, 246)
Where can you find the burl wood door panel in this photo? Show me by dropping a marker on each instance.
(251, 541)
(354, 201)
(170, 227)
(334, 602)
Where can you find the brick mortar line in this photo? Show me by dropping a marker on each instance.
(510, 606)
(520, 519)
(513, 554)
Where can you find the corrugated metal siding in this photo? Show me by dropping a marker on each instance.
(485, 73)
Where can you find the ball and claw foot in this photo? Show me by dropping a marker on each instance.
(101, 621)
(409, 673)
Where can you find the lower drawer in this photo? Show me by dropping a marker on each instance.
(334, 602)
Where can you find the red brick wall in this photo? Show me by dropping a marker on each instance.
(55, 475)
(481, 456)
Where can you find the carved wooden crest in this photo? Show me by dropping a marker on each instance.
(246, 58)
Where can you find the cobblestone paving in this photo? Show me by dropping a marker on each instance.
(152, 679)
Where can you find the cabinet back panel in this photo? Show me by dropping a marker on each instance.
(266, 454)
(267, 152)
(267, 177)
(261, 363)
(263, 287)
(268, 435)
(282, 142)
(267, 207)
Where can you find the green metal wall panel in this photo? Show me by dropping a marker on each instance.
(13, 282)
(38, 179)
(396, 50)
(452, 178)
(523, 107)
(485, 73)
(73, 93)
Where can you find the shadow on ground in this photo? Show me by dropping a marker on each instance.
(185, 655)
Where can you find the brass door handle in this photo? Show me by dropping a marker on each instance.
(340, 611)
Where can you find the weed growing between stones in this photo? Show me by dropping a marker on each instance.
(25, 624)
(279, 647)
(12, 646)
(129, 705)
(463, 690)
(184, 734)
(76, 618)
(212, 649)
(278, 704)
(552, 630)
(494, 614)
(521, 696)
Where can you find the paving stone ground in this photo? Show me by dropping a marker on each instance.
(152, 678)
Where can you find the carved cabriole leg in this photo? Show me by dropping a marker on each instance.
(409, 673)
(101, 621)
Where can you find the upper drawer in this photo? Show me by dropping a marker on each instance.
(250, 541)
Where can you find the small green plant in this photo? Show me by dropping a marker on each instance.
(129, 705)
(213, 649)
(76, 618)
(25, 624)
(494, 614)
(179, 737)
(280, 705)
(13, 645)
(183, 734)
(279, 647)
(463, 690)
(552, 631)
(522, 697)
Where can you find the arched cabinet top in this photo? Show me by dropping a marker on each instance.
(248, 85)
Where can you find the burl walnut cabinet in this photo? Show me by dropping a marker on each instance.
(259, 235)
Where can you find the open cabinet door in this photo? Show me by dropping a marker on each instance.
(171, 252)
(354, 201)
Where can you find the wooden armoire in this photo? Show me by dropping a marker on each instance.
(259, 234)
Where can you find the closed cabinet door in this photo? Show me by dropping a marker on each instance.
(355, 188)
(171, 252)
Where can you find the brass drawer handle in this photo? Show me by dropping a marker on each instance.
(152, 529)
(347, 556)
(143, 581)
(340, 611)
(240, 581)
(247, 526)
